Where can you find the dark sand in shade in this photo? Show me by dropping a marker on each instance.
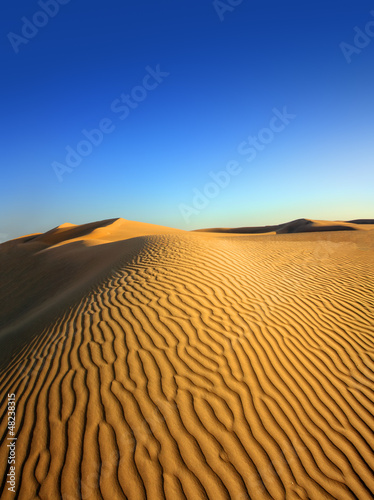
(152, 363)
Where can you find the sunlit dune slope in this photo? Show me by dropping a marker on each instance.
(192, 366)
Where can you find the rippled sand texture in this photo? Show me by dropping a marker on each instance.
(219, 367)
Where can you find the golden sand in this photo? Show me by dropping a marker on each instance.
(153, 363)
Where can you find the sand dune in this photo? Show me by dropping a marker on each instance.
(152, 363)
(43, 272)
(299, 226)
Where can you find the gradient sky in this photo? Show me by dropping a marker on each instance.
(228, 69)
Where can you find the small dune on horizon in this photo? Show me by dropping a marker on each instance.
(299, 226)
(155, 363)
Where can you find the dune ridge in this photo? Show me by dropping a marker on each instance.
(199, 366)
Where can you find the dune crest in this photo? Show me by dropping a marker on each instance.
(189, 365)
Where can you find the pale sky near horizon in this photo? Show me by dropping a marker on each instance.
(134, 110)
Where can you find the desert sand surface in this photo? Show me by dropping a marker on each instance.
(150, 362)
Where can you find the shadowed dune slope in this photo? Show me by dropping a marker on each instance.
(201, 366)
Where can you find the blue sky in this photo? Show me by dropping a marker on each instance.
(218, 70)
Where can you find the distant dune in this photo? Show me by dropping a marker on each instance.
(299, 226)
(150, 362)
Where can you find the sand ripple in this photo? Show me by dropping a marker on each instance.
(219, 368)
